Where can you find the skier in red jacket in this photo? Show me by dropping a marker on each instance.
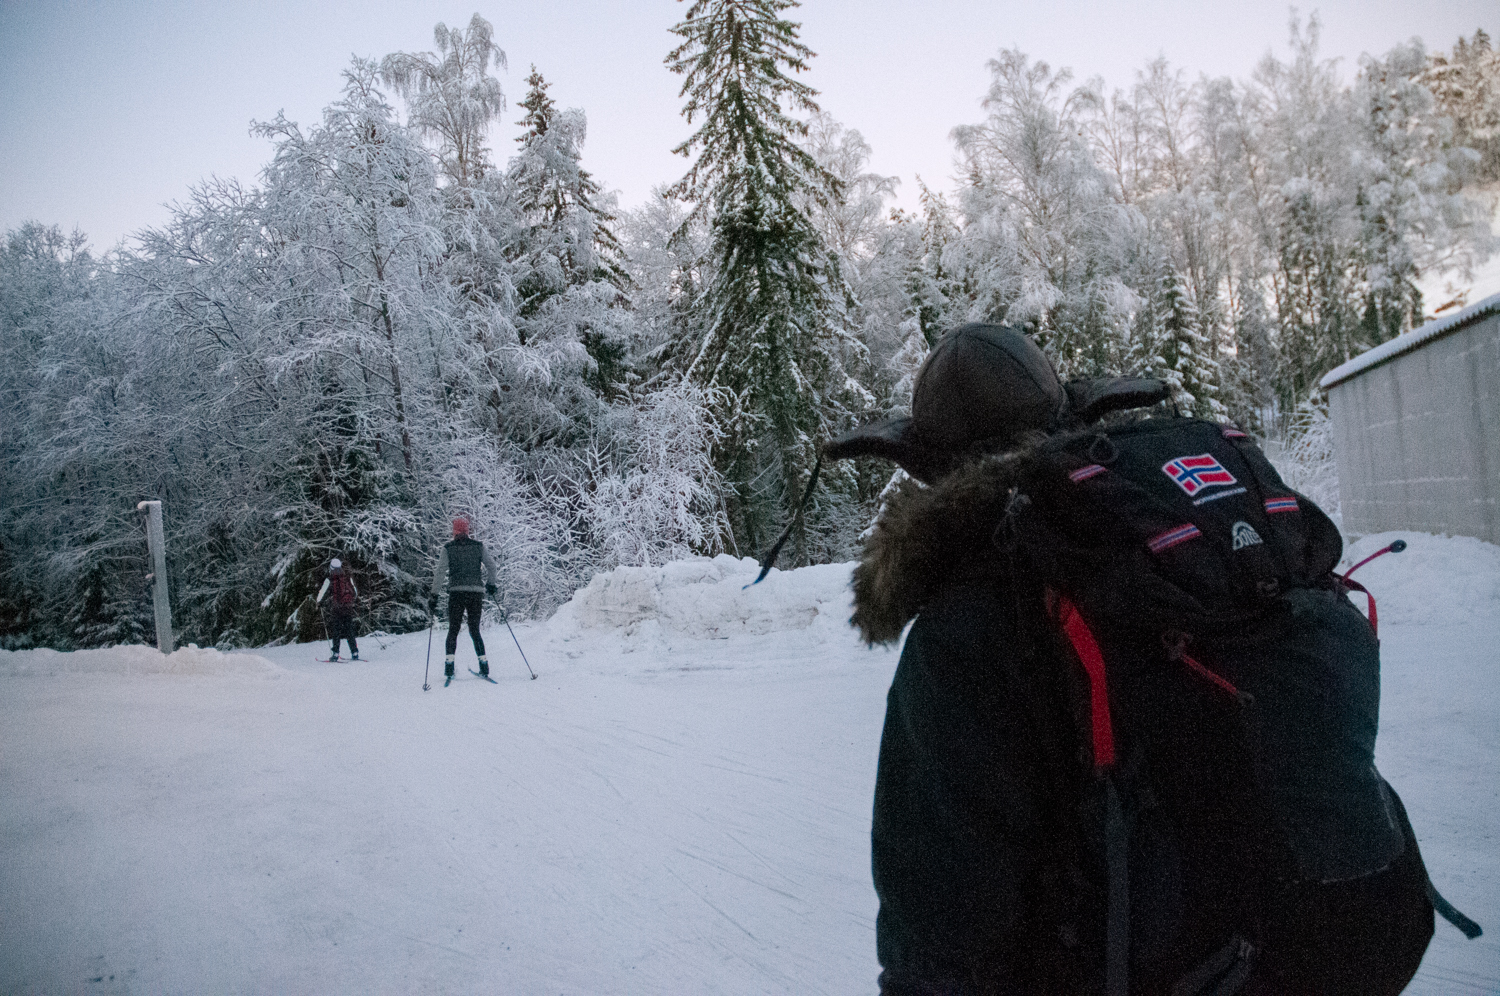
(342, 594)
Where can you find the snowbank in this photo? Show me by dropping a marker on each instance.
(132, 659)
(704, 599)
(1436, 580)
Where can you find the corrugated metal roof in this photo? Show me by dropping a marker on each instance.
(1408, 342)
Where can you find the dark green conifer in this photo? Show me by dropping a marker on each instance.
(773, 336)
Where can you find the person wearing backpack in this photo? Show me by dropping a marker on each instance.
(1128, 747)
(459, 565)
(342, 595)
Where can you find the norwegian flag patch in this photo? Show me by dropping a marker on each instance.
(1084, 473)
(1170, 538)
(1194, 473)
(1281, 504)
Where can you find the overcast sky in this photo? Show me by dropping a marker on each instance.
(109, 110)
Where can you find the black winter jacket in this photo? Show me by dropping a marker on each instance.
(968, 847)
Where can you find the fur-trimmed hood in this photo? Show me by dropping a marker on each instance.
(927, 537)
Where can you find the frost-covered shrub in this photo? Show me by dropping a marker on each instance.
(651, 493)
(1304, 456)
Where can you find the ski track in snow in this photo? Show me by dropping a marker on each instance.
(658, 813)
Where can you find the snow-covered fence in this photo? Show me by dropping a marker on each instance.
(1417, 429)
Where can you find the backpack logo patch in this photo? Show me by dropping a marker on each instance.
(1194, 473)
(1244, 535)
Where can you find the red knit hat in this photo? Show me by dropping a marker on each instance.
(460, 526)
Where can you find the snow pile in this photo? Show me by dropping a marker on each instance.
(132, 659)
(1436, 580)
(705, 599)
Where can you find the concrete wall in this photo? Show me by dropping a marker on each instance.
(1418, 437)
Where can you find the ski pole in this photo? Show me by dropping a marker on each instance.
(359, 621)
(428, 666)
(506, 619)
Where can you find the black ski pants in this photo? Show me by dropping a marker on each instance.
(341, 627)
(461, 603)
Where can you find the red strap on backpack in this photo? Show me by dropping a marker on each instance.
(1087, 648)
(1395, 547)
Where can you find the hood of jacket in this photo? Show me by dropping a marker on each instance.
(928, 537)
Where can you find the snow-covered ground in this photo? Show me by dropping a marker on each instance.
(679, 804)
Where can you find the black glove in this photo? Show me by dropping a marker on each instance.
(431, 604)
(490, 590)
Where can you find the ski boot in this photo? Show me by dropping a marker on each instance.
(333, 658)
(447, 667)
(354, 656)
(484, 667)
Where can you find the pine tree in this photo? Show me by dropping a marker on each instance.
(774, 331)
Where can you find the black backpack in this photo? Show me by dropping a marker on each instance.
(1227, 699)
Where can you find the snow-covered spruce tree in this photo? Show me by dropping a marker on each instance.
(930, 285)
(931, 290)
(1172, 345)
(775, 340)
(556, 193)
(568, 259)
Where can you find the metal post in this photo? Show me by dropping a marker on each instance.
(157, 543)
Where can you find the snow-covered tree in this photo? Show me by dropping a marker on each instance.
(558, 196)
(451, 95)
(1415, 219)
(1466, 83)
(775, 338)
(383, 333)
(1172, 345)
(567, 246)
(1043, 237)
(850, 216)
